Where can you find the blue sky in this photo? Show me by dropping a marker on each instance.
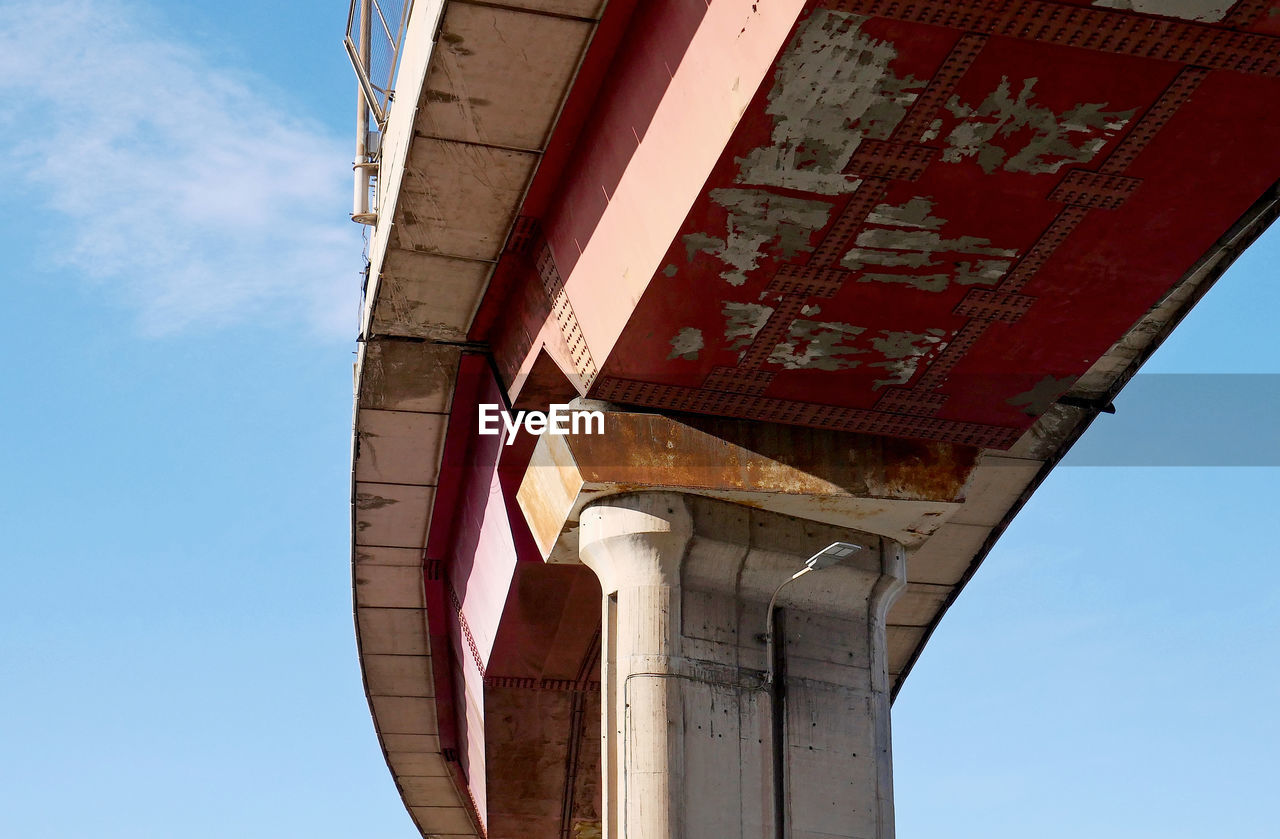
(176, 641)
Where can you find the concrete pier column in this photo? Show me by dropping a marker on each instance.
(691, 724)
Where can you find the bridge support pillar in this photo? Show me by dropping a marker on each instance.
(698, 742)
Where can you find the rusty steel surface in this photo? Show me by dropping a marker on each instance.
(656, 450)
(1120, 140)
(931, 219)
(902, 488)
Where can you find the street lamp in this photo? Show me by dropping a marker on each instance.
(832, 554)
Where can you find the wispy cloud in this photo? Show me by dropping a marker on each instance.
(187, 188)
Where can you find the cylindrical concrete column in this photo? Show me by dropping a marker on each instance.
(636, 546)
(688, 718)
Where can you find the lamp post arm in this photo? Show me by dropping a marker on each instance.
(768, 632)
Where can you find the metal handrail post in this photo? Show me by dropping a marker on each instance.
(360, 205)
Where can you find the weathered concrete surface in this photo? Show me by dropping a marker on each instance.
(458, 153)
(689, 721)
(403, 399)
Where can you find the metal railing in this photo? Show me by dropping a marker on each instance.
(375, 33)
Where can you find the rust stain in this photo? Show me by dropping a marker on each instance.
(932, 470)
(639, 451)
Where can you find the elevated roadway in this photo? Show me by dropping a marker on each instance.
(851, 271)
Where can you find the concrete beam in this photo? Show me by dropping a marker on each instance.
(901, 489)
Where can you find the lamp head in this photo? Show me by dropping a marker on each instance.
(832, 554)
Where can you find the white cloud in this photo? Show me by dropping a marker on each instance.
(188, 189)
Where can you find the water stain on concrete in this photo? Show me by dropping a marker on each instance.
(369, 501)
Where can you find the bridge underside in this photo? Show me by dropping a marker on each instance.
(864, 265)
